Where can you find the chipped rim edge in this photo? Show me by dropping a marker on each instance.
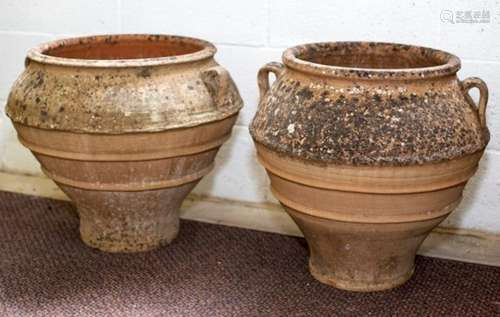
(37, 53)
(449, 67)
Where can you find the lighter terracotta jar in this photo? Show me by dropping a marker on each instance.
(368, 147)
(126, 125)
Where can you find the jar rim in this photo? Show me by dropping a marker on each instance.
(41, 54)
(304, 58)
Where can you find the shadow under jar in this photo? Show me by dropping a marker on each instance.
(368, 147)
(126, 125)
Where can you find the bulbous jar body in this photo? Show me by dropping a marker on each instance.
(368, 147)
(126, 125)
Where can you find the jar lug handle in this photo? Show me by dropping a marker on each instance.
(263, 76)
(475, 82)
(217, 81)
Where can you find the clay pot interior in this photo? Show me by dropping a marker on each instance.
(124, 47)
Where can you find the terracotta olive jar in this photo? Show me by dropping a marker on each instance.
(368, 147)
(126, 125)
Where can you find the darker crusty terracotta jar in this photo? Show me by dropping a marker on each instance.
(368, 147)
(126, 125)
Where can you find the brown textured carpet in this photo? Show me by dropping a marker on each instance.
(210, 270)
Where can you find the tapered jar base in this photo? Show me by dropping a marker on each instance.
(364, 224)
(362, 257)
(136, 221)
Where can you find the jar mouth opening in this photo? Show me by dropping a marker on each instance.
(122, 50)
(371, 60)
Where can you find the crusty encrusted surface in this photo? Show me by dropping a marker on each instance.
(119, 96)
(334, 118)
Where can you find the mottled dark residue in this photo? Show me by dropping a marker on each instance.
(108, 96)
(145, 72)
(39, 79)
(365, 127)
(110, 40)
(305, 93)
(375, 116)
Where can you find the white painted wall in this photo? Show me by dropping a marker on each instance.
(251, 33)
